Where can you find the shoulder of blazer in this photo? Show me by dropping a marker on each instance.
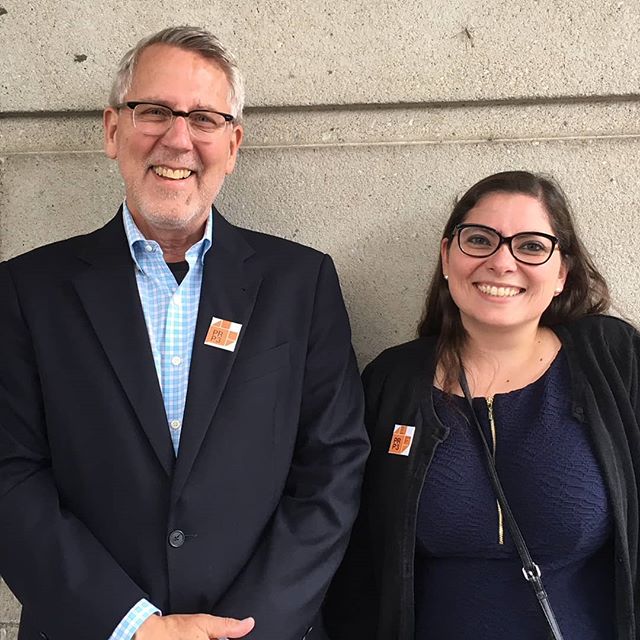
(598, 329)
(603, 352)
(594, 341)
(267, 247)
(392, 377)
(402, 362)
(62, 258)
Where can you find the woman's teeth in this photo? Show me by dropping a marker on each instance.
(500, 292)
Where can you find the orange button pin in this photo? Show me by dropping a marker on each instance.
(401, 440)
(223, 334)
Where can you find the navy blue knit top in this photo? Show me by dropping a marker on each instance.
(468, 579)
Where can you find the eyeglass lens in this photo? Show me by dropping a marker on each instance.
(531, 248)
(155, 120)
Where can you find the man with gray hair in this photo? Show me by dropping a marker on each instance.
(181, 433)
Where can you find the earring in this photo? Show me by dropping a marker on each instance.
(558, 291)
(446, 277)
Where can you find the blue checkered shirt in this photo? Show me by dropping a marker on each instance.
(170, 312)
(132, 621)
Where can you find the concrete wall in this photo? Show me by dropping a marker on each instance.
(365, 120)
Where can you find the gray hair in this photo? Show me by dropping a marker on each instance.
(189, 39)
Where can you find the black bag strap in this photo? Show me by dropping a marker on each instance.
(530, 569)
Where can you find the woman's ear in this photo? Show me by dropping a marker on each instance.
(444, 256)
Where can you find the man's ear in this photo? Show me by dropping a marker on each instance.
(110, 126)
(237, 134)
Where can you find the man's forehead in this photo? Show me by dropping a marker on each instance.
(156, 55)
(163, 68)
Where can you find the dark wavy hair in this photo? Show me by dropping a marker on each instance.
(585, 291)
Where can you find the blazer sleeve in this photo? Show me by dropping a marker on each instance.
(350, 608)
(284, 582)
(62, 575)
(635, 383)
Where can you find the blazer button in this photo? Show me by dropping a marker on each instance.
(176, 538)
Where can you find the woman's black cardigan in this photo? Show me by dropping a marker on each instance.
(371, 597)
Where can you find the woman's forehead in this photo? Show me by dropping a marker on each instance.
(510, 213)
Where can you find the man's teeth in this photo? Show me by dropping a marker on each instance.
(173, 174)
(500, 292)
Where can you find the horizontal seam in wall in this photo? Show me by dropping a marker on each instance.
(407, 143)
(377, 106)
(374, 143)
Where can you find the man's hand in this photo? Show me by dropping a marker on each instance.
(192, 627)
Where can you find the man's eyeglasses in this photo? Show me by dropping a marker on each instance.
(157, 119)
(528, 247)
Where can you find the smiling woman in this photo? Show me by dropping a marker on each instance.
(501, 290)
(563, 286)
(513, 313)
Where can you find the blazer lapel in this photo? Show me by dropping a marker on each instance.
(229, 290)
(109, 294)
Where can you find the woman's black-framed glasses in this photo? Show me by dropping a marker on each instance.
(156, 119)
(528, 247)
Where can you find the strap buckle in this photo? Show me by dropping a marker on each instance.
(533, 574)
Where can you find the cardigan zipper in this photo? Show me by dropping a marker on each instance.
(494, 440)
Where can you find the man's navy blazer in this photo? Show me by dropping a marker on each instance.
(96, 512)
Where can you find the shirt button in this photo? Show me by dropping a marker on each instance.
(176, 361)
(176, 300)
(148, 248)
(175, 424)
(176, 538)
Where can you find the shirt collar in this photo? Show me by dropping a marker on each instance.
(137, 241)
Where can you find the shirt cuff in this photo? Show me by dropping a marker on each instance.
(128, 626)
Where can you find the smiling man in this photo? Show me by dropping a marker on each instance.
(181, 438)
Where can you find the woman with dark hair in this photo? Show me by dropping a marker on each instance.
(514, 317)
